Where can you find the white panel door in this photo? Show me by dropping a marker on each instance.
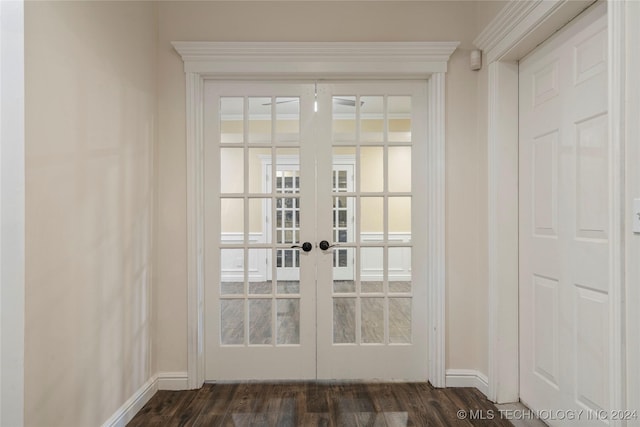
(564, 223)
(279, 174)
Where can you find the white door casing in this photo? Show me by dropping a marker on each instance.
(564, 222)
(410, 60)
(12, 213)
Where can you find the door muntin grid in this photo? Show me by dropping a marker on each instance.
(259, 298)
(374, 305)
(372, 253)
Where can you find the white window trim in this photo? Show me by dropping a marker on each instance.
(516, 30)
(283, 60)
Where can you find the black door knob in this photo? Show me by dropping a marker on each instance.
(306, 246)
(324, 245)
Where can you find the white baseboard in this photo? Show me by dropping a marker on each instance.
(130, 408)
(467, 378)
(172, 381)
(160, 381)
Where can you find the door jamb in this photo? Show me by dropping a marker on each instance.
(316, 60)
(12, 213)
(516, 30)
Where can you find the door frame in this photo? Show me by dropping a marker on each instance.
(515, 31)
(12, 213)
(315, 61)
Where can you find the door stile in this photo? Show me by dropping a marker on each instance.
(324, 222)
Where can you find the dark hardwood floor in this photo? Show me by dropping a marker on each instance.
(319, 404)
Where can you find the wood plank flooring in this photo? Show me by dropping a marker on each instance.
(318, 404)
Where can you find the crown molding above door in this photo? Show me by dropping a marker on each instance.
(315, 59)
(522, 25)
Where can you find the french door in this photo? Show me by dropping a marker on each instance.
(315, 241)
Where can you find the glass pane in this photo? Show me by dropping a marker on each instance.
(231, 170)
(231, 220)
(343, 270)
(344, 164)
(372, 119)
(287, 181)
(288, 259)
(344, 118)
(260, 120)
(343, 215)
(340, 181)
(260, 220)
(344, 320)
(371, 219)
(399, 270)
(260, 321)
(287, 220)
(259, 170)
(372, 324)
(400, 219)
(231, 120)
(400, 320)
(371, 271)
(344, 286)
(258, 271)
(231, 271)
(400, 286)
(287, 119)
(288, 286)
(371, 169)
(399, 114)
(288, 279)
(288, 321)
(399, 167)
(287, 170)
(232, 321)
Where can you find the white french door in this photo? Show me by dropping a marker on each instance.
(312, 261)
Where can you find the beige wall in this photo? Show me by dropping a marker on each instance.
(328, 21)
(486, 11)
(90, 130)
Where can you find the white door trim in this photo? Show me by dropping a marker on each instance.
(12, 216)
(259, 61)
(632, 156)
(518, 28)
